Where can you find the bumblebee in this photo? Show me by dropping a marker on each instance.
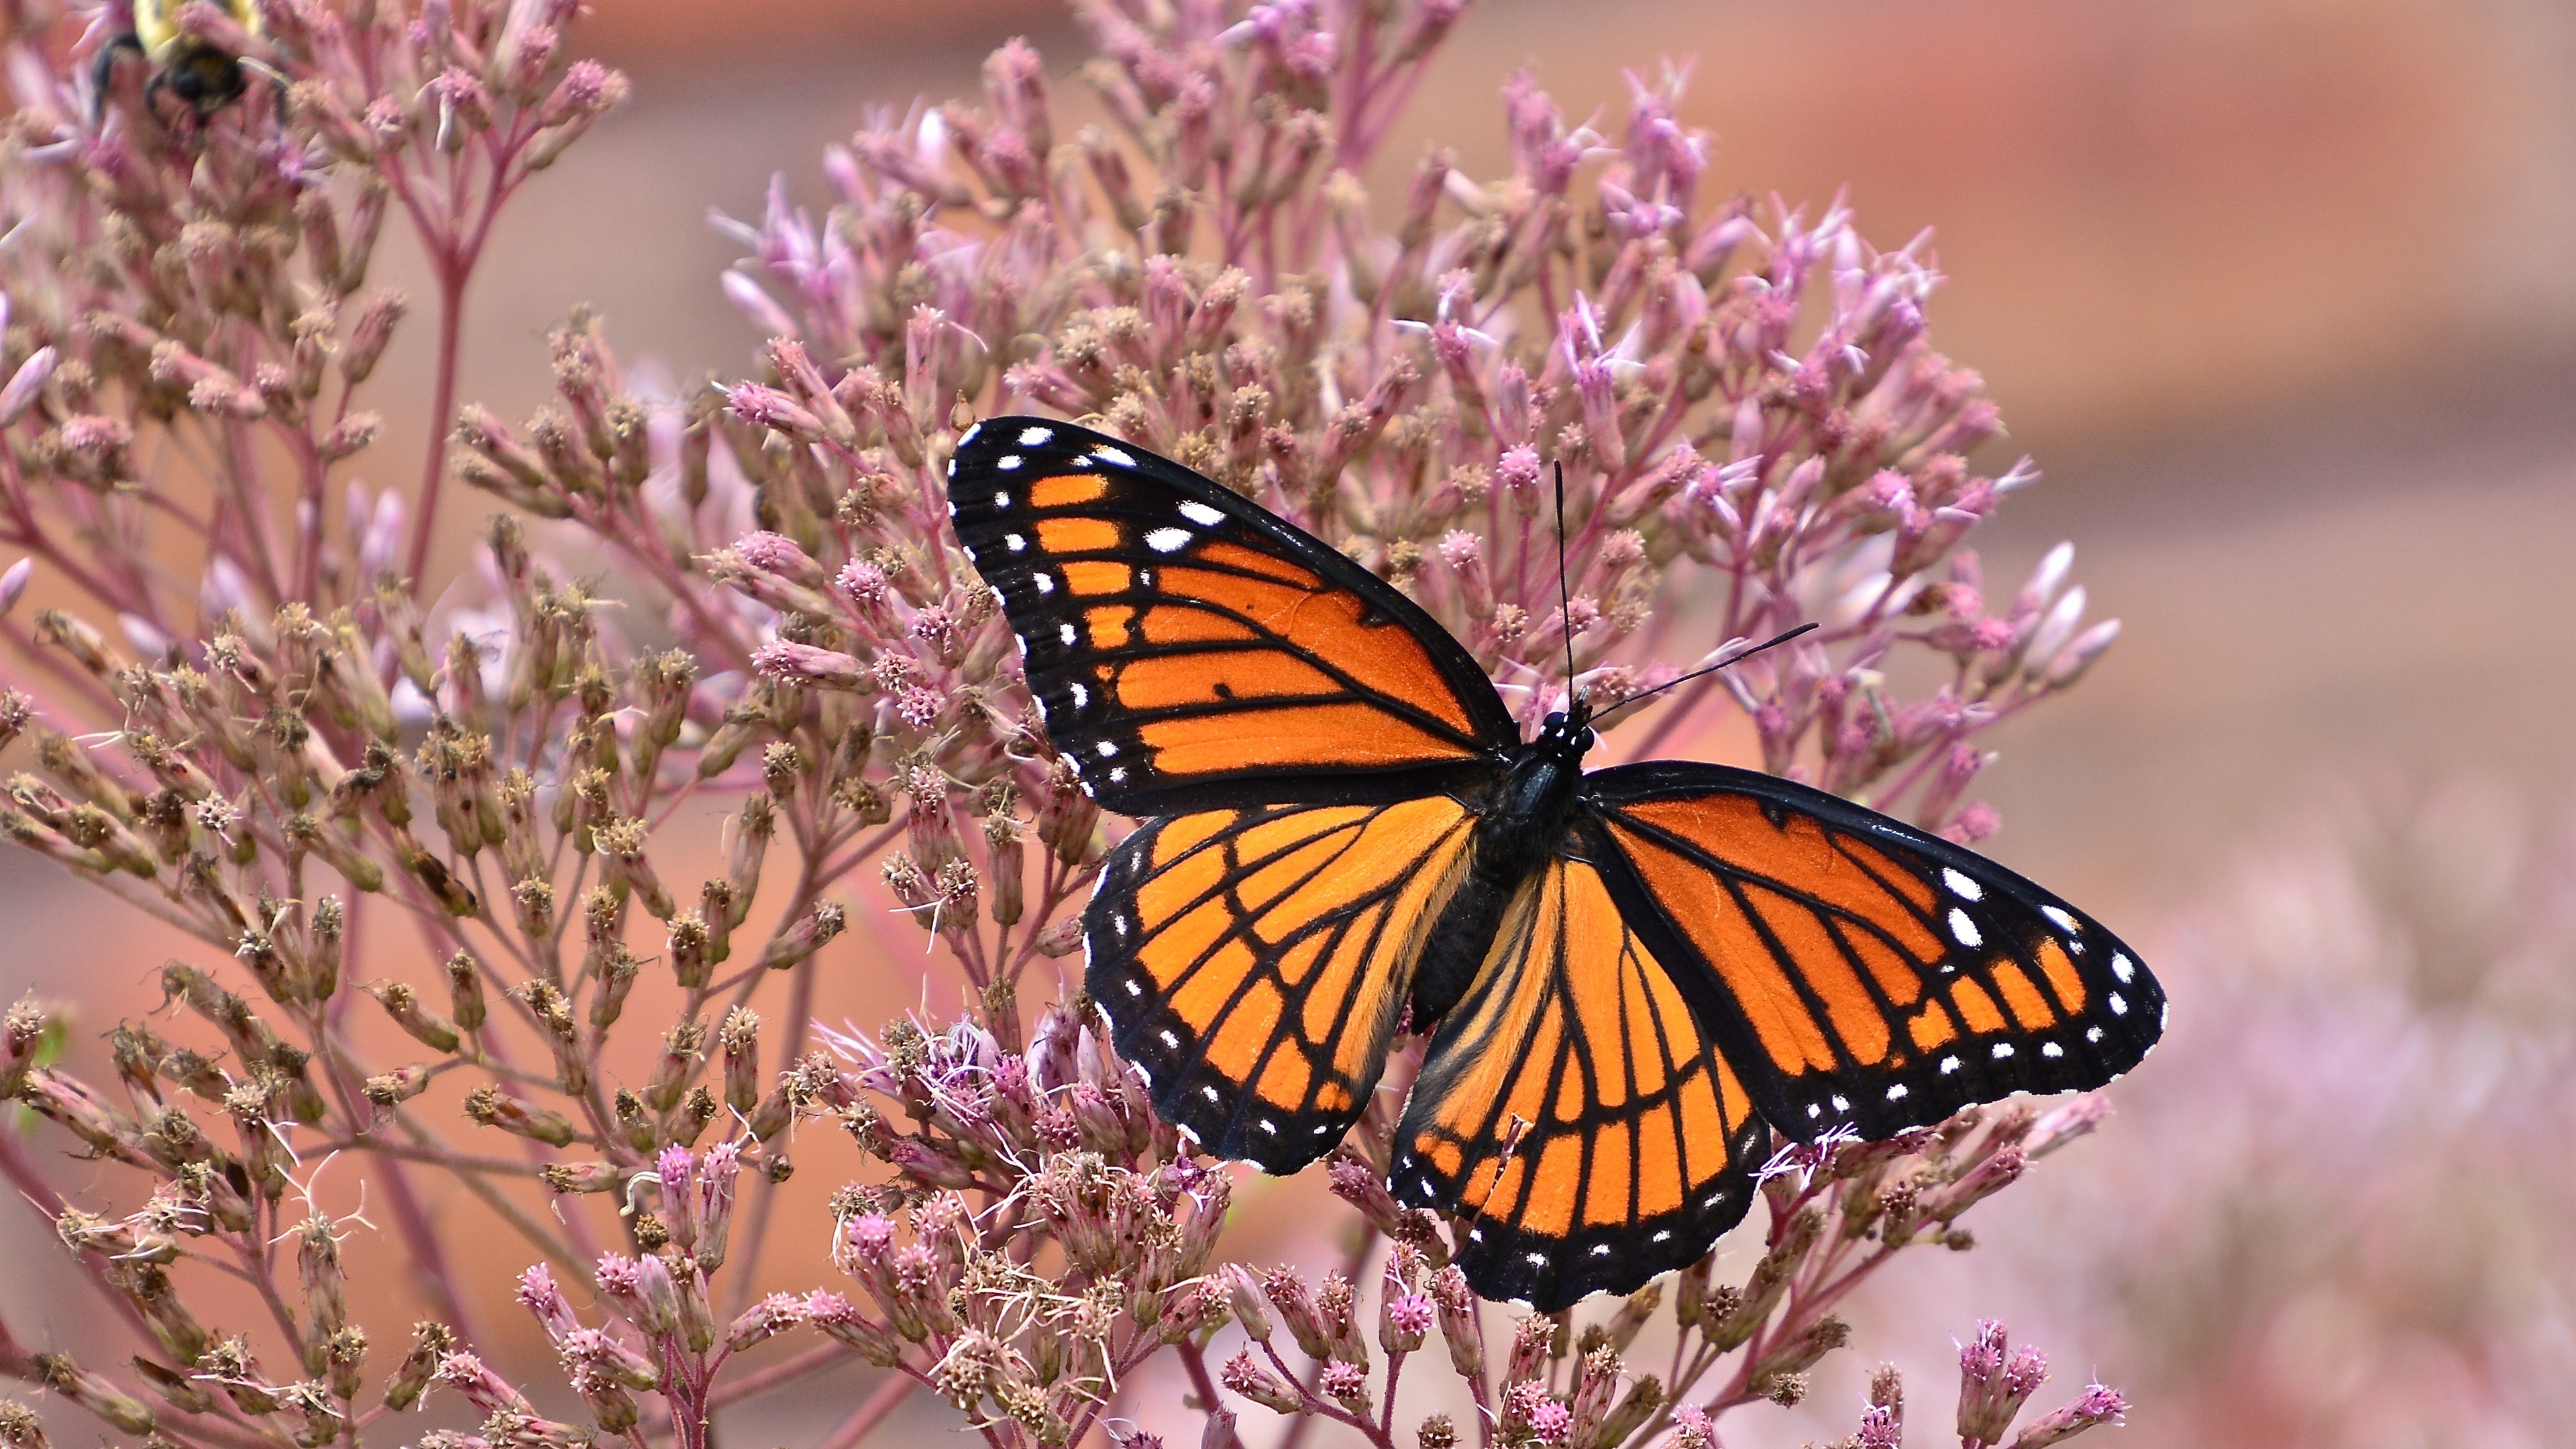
(203, 76)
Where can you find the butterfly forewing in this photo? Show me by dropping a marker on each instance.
(1858, 971)
(1188, 649)
(1572, 1112)
(1254, 962)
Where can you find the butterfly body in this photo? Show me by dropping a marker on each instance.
(1629, 976)
(1522, 816)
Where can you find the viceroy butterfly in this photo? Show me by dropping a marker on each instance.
(1630, 975)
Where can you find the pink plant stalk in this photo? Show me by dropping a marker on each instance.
(303, 753)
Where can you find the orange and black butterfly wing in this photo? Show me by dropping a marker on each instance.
(1573, 1113)
(1190, 651)
(1856, 970)
(1254, 962)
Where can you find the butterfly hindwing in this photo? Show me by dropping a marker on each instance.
(1572, 1113)
(1254, 962)
(1856, 970)
(1190, 650)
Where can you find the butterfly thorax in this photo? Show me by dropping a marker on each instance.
(1526, 817)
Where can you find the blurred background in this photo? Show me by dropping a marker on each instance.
(2282, 296)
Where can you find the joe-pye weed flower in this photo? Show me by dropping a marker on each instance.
(244, 711)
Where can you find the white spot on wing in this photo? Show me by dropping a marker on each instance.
(1045, 583)
(968, 436)
(1601, 1250)
(1168, 540)
(1202, 515)
(1107, 748)
(1007, 461)
(1842, 1104)
(2051, 1049)
(1134, 987)
(1210, 1093)
(2003, 1049)
(2061, 919)
(1896, 1093)
(1001, 503)
(1662, 1234)
(2093, 1033)
(1170, 1038)
(1537, 1260)
(2123, 967)
(1108, 454)
(1081, 695)
(1032, 437)
(1065, 633)
(1964, 929)
(1962, 886)
(1269, 1126)
(1118, 776)
(1949, 1065)
(2119, 1004)
(1015, 543)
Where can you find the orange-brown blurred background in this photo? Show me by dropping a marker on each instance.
(2280, 293)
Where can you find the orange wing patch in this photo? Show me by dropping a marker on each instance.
(1322, 625)
(1572, 1113)
(1255, 962)
(1849, 875)
(1068, 490)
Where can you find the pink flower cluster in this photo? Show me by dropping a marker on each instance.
(242, 710)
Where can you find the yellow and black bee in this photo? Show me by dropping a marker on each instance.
(202, 75)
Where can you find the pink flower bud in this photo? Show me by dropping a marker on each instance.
(1989, 1392)
(765, 1320)
(2098, 1406)
(806, 664)
(1252, 1381)
(539, 1295)
(657, 1296)
(2071, 662)
(1346, 1384)
(25, 386)
(1461, 1326)
(1404, 1320)
(484, 1389)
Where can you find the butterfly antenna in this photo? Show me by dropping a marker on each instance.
(1564, 592)
(1735, 658)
